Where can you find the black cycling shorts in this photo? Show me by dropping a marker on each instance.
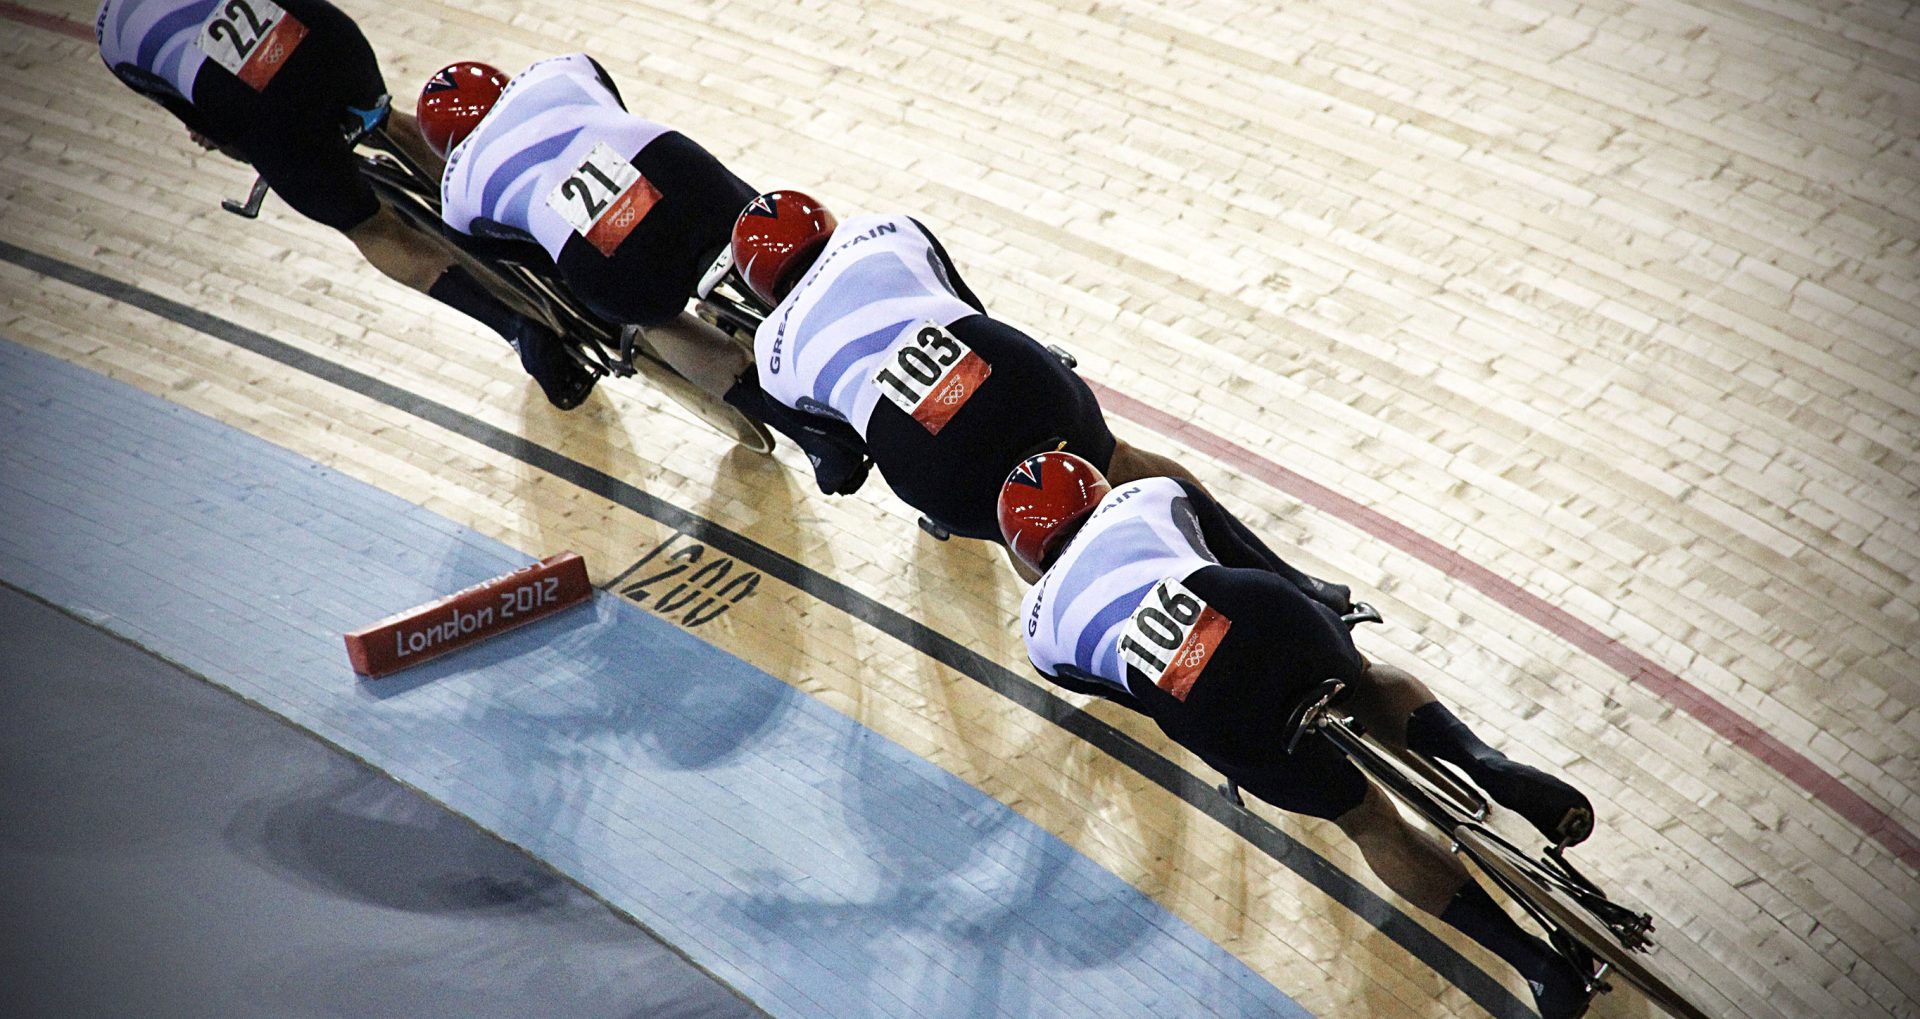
(1030, 402)
(1279, 645)
(292, 131)
(650, 277)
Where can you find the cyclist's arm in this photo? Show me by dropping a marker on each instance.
(1070, 678)
(607, 80)
(948, 271)
(1235, 545)
(156, 89)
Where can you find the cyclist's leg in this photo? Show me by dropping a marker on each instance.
(1417, 868)
(708, 358)
(1426, 875)
(405, 255)
(1131, 463)
(1383, 700)
(1399, 710)
(427, 263)
(405, 132)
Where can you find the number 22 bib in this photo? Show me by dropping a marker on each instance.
(251, 38)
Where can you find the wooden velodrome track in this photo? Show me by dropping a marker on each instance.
(1582, 338)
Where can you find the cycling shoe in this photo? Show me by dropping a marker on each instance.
(565, 381)
(1560, 991)
(1559, 811)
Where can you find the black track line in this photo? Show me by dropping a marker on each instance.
(1197, 792)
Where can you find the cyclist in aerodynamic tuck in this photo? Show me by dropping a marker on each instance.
(630, 211)
(277, 84)
(1151, 596)
(871, 325)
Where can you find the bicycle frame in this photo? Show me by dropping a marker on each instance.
(1598, 936)
(414, 194)
(521, 274)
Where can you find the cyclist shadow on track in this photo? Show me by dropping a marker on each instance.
(940, 868)
(1086, 774)
(687, 721)
(551, 733)
(321, 838)
(677, 718)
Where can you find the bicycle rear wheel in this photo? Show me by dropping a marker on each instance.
(719, 416)
(1528, 879)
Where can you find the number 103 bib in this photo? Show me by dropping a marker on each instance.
(929, 373)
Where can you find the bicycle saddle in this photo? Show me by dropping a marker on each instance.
(362, 123)
(1309, 708)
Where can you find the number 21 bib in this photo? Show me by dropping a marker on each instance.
(604, 199)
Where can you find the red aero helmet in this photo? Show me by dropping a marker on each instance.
(776, 236)
(1044, 500)
(453, 101)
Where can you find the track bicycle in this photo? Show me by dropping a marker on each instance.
(519, 272)
(1599, 936)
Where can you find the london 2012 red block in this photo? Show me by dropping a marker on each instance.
(467, 617)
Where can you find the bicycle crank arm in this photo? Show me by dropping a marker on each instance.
(251, 208)
(1362, 613)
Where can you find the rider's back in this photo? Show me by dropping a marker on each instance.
(820, 348)
(1140, 534)
(550, 116)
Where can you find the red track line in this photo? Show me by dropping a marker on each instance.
(1628, 662)
(50, 22)
(1622, 659)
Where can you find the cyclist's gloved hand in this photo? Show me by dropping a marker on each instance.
(1337, 597)
(834, 448)
(545, 358)
(839, 470)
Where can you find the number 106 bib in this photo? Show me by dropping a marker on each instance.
(1171, 636)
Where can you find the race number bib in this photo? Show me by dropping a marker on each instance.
(930, 374)
(1171, 636)
(251, 38)
(604, 199)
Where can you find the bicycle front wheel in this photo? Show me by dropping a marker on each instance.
(1529, 879)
